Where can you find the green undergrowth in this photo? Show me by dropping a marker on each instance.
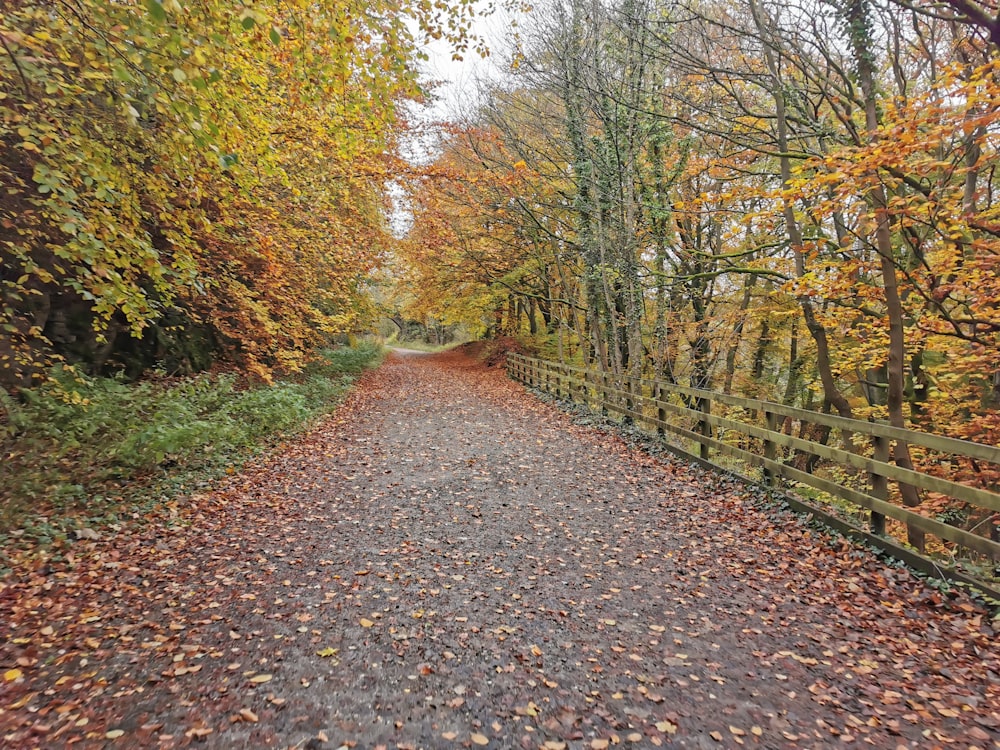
(89, 452)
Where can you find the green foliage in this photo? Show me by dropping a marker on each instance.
(79, 445)
(214, 167)
(349, 360)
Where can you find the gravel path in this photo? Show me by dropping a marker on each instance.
(448, 562)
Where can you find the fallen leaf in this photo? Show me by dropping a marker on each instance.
(530, 710)
(480, 739)
(247, 715)
(366, 623)
(114, 734)
(261, 678)
(198, 733)
(23, 701)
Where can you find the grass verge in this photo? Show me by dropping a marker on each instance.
(89, 452)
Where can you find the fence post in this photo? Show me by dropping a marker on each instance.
(705, 407)
(637, 398)
(880, 484)
(629, 401)
(661, 413)
(770, 449)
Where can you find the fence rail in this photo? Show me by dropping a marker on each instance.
(761, 434)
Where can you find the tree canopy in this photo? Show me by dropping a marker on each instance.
(796, 201)
(187, 181)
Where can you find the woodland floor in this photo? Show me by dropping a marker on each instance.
(449, 562)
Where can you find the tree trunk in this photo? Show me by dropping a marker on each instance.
(861, 40)
(816, 329)
(749, 283)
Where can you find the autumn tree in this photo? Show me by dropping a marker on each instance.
(188, 181)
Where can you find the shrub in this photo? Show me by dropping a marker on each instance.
(71, 444)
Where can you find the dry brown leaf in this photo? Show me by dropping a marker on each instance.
(667, 727)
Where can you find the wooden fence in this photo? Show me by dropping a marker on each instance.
(814, 455)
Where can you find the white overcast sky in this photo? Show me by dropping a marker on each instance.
(456, 94)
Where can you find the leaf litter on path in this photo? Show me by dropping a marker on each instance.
(448, 561)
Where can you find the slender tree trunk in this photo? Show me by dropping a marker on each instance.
(794, 368)
(760, 353)
(816, 329)
(858, 19)
(749, 283)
